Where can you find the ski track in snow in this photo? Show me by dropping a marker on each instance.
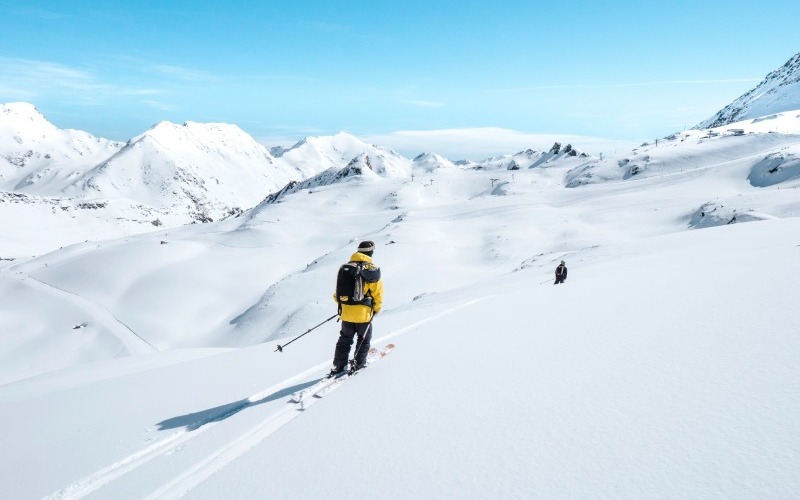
(206, 467)
(127, 337)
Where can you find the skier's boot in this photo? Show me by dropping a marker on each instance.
(356, 365)
(337, 371)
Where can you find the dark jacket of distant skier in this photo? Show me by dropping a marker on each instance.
(561, 273)
(357, 318)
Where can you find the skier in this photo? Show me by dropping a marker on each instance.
(561, 273)
(357, 308)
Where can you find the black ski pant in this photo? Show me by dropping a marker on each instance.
(559, 279)
(363, 333)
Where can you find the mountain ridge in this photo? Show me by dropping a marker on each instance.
(778, 92)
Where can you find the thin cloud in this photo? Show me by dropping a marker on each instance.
(10, 94)
(45, 78)
(159, 105)
(33, 69)
(35, 13)
(182, 73)
(625, 85)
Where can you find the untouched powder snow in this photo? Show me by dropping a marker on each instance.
(663, 368)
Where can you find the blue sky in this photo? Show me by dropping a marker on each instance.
(284, 70)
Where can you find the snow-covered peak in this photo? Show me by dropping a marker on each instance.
(204, 137)
(333, 150)
(22, 115)
(779, 91)
(207, 170)
(313, 155)
(429, 162)
(36, 157)
(530, 158)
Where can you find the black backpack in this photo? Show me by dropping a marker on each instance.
(350, 284)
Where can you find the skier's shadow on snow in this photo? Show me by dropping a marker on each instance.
(194, 421)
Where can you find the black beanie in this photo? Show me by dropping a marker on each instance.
(366, 247)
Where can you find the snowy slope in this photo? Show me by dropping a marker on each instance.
(779, 91)
(647, 375)
(360, 166)
(35, 225)
(236, 283)
(740, 142)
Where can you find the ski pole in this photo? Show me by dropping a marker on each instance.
(280, 347)
(545, 281)
(360, 343)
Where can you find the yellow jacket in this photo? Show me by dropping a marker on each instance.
(363, 313)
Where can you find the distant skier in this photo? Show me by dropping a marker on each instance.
(359, 293)
(561, 273)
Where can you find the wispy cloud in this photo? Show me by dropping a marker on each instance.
(45, 78)
(182, 73)
(625, 84)
(159, 105)
(36, 70)
(13, 94)
(35, 13)
(31, 80)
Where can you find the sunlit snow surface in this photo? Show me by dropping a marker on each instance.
(143, 365)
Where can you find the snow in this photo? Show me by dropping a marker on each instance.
(666, 368)
(139, 361)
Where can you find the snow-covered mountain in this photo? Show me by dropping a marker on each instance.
(38, 158)
(194, 171)
(315, 154)
(556, 155)
(430, 162)
(209, 170)
(359, 167)
(780, 91)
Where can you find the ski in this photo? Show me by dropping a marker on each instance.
(326, 385)
(306, 393)
(388, 348)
